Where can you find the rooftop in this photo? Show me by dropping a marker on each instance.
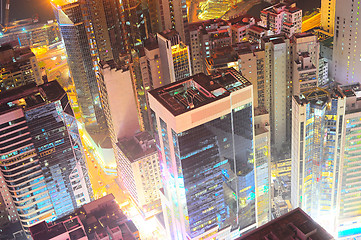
(30, 95)
(205, 25)
(292, 225)
(257, 28)
(142, 144)
(275, 39)
(222, 56)
(199, 90)
(169, 34)
(151, 44)
(93, 217)
(319, 96)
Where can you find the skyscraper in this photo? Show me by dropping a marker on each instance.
(278, 87)
(77, 33)
(41, 154)
(346, 64)
(106, 19)
(317, 140)
(204, 133)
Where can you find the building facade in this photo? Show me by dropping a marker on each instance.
(346, 65)
(208, 180)
(175, 57)
(42, 162)
(282, 17)
(139, 171)
(317, 140)
(328, 15)
(18, 67)
(83, 60)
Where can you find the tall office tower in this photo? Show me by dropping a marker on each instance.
(328, 15)
(349, 208)
(304, 74)
(173, 15)
(75, 28)
(174, 56)
(282, 17)
(346, 67)
(18, 67)
(278, 87)
(263, 165)
(41, 154)
(317, 139)
(204, 133)
(105, 16)
(204, 38)
(139, 171)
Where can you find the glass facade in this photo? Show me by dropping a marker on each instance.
(319, 148)
(350, 196)
(80, 45)
(210, 179)
(41, 157)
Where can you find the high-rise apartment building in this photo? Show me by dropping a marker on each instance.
(282, 17)
(18, 67)
(278, 87)
(41, 156)
(328, 8)
(105, 16)
(204, 132)
(304, 74)
(139, 171)
(346, 64)
(173, 15)
(251, 63)
(80, 45)
(206, 36)
(175, 57)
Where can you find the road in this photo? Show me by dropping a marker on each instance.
(312, 22)
(104, 184)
